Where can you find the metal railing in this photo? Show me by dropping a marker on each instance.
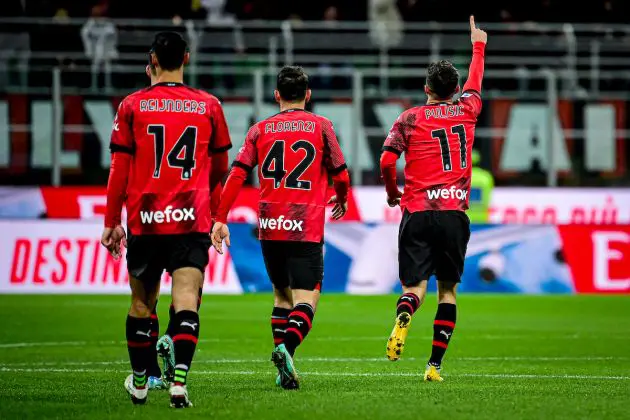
(594, 51)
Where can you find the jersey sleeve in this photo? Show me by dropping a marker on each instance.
(333, 158)
(396, 141)
(220, 141)
(472, 100)
(471, 97)
(247, 157)
(122, 132)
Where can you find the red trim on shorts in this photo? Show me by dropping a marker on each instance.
(185, 337)
(137, 344)
(297, 332)
(303, 316)
(318, 286)
(440, 344)
(444, 323)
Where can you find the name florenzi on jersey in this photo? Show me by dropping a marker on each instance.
(284, 126)
(444, 111)
(187, 106)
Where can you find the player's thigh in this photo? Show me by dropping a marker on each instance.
(415, 249)
(305, 264)
(275, 257)
(188, 251)
(145, 258)
(453, 230)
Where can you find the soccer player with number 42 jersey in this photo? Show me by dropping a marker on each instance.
(295, 152)
(169, 153)
(437, 140)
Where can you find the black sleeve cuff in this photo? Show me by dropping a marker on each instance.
(221, 149)
(117, 148)
(241, 165)
(391, 149)
(338, 170)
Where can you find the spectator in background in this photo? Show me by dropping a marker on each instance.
(386, 24)
(99, 37)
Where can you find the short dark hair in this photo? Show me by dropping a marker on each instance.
(169, 49)
(292, 83)
(442, 79)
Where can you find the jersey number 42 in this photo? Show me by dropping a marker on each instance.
(273, 167)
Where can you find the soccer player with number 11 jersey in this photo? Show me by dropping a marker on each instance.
(437, 140)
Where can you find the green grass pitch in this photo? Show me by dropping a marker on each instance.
(528, 357)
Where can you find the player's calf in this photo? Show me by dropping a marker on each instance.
(408, 303)
(298, 326)
(154, 368)
(444, 323)
(186, 282)
(282, 308)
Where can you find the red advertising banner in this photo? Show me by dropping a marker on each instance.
(598, 256)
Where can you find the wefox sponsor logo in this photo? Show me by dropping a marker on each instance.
(447, 193)
(281, 224)
(167, 216)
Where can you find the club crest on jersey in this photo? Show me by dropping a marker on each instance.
(444, 193)
(281, 224)
(167, 216)
(444, 111)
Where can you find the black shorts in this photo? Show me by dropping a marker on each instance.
(149, 255)
(432, 242)
(298, 265)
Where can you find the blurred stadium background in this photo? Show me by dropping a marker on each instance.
(550, 198)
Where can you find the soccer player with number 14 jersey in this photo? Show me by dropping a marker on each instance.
(295, 152)
(169, 153)
(437, 140)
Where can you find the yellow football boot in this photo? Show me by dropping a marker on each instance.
(396, 341)
(432, 374)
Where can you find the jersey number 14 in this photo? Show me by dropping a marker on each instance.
(181, 155)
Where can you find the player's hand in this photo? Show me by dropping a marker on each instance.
(476, 34)
(340, 209)
(395, 200)
(220, 232)
(113, 239)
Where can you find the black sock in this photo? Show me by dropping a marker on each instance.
(443, 327)
(138, 343)
(300, 323)
(170, 329)
(408, 302)
(185, 339)
(279, 320)
(154, 367)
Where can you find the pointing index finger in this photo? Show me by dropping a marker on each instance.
(472, 23)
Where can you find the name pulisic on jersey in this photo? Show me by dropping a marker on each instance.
(449, 111)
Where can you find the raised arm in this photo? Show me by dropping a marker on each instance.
(479, 39)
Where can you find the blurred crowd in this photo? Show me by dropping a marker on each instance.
(348, 10)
